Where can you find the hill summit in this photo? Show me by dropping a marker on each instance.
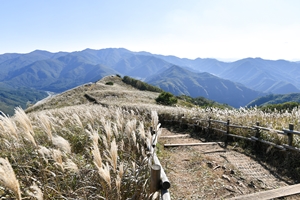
(108, 91)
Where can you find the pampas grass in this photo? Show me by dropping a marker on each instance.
(113, 153)
(96, 155)
(24, 120)
(61, 143)
(57, 157)
(35, 192)
(8, 178)
(104, 173)
(46, 125)
(70, 165)
(9, 127)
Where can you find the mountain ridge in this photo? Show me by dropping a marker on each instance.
(57, 72)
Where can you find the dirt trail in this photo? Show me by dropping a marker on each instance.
(212, 172)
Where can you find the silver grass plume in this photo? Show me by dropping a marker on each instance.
(61, 143)
(70, 165)
(105, 174)
(44, 152)
(154, 119)
(57, 157)
(96, 155)
(46, 125)
(133, 137)
(25, 125)
(113, 154)
(77, 120)
(9, 126)
(93, 134)
(130, 126)
(116, 131)
(141, 131)
(108, 131)
(8, 178)
(104, 141)
(23, 119)
(35, 191)
(119, 119)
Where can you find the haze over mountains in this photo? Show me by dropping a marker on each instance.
(234, 83)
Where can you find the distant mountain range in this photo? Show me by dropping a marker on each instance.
(234, 83)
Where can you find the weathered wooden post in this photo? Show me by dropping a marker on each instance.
(226, 134)
(290, 135)
(183, 122)
(155, 178)
(209, 126)
(165, 183)
(257, 135)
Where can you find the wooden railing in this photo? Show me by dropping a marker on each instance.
(159, 181)
(225, 128)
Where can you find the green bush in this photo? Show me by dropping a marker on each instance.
(140, 84)
(166, 98)
(109, 83)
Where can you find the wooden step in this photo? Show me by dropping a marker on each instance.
(192, 144)
(271, 194)
(174, 136)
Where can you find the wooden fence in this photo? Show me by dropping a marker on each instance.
(211, 126)
(159, 181)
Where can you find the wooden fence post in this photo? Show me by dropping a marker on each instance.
(164, 181)
(227, 132)
(257, 135)
(155, 178)
(290, 135)
(209, 126)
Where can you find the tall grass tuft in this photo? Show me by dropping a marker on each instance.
(105, 174)
(25, 125)
(46, 125)
(113, 154)
(61, 143)
(8, 178)
(35, 192)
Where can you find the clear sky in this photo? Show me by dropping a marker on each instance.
(222, 29)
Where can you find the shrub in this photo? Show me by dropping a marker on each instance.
(140, 84)
(109, 83)
(166, 98)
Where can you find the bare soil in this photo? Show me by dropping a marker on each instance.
(213, 172)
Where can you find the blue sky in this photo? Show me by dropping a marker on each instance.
(222, 29)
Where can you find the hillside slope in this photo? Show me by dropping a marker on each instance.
(275, 99)
(180, 81)
(120, 94)
(10, 98)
